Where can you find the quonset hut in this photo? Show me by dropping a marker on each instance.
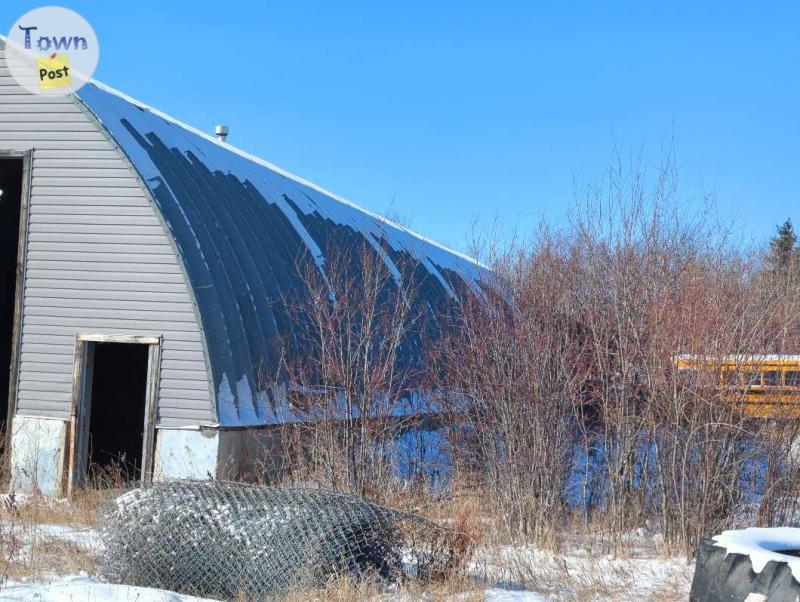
(141, 265)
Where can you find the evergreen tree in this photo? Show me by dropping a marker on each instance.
(783, 249)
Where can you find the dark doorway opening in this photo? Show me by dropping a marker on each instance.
(11, 170)
(118, 408)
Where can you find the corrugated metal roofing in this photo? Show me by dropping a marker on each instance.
(239, 225)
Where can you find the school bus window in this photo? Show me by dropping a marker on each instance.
(751, 378)
(772, 378)
(792, 378)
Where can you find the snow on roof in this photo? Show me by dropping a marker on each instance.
(275, 168)
(240, 224)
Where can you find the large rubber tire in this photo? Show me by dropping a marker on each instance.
(721, 576)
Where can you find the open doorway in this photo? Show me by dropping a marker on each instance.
(113, 429)
(117, 414)
(11, 187)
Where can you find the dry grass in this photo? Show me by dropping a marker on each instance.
(81, 511)
(28, 549)
(31, 544)
(44, 557)
(581, 570)
(587, 577)
(346, 589)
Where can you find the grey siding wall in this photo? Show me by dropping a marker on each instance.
(99, 260)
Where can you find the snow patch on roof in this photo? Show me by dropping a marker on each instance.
(283, 172)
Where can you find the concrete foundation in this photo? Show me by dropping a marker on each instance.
(37, 455)
(186, 454)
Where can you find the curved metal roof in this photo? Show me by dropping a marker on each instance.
(239, 224)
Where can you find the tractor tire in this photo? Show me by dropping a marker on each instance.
(722, 576)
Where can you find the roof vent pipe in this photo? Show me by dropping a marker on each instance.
(222, 133)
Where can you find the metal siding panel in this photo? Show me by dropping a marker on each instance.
(29, 100)
(19, 125)
(174, 300)
(122, 285)
(67, 190)
(53, 137)
(83, 269)
(46, 347)
(58, 329)
(98, 180)
(104, 152)
(111, 231)
(103, 259)
(152, 314)
(65, 300)
(99, 261)
(35, 118)
(116, 325)
(113, 248)
(97, 203)
(101, 163)
(50, 377)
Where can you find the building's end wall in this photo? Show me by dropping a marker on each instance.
(99, 260)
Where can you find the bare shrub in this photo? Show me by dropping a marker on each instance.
(509, 369)
(565, 377)
(676, 448)
(354, 385)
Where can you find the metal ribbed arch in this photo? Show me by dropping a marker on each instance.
(241, 227)
(213, 300)
(225, 202)
(216, 232)
(205, 292)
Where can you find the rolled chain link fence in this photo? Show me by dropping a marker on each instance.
(229, 540)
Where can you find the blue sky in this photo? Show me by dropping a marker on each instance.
(455, 110)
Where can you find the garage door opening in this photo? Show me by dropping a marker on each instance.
(113, 433)
(11, 170)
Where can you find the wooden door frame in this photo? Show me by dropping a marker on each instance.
(76, 449)
(22, 251)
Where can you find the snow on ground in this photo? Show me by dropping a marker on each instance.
(582, 574)
(504, 595)
(82, 588)
(83, 537)
(510, 574)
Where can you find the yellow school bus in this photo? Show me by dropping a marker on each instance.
(769, 385)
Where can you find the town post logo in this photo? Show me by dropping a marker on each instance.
(54, 72)
(52, 51)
